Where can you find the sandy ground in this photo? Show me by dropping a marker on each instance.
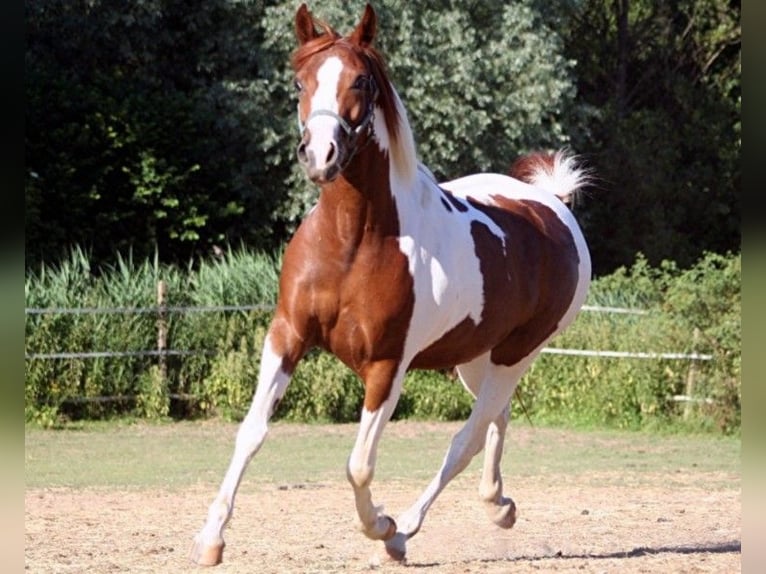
(563, 526)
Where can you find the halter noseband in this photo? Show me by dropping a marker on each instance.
(351, 132)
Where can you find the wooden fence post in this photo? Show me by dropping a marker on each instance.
(162, 329)
(691, 376)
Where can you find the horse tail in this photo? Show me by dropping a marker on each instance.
(558, 173)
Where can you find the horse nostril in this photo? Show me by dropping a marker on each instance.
(302, 155)
(331, 154)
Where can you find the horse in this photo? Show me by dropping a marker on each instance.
(392, 271)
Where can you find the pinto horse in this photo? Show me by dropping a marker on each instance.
(392, 271)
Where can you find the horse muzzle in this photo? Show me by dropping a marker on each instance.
(320, 171)
(325, 156)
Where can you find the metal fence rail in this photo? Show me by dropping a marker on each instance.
(144, 310)
(629, 355)
(161, 310)
(112, 354)
(166, 309)
(222, 308)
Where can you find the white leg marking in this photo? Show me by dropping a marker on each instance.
(501, 510)
(361, 466)
(491, 486)
(494, 394)
(272, 383)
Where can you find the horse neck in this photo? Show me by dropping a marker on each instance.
(359, 203)
(363, 200)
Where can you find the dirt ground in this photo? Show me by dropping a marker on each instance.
(563, 526)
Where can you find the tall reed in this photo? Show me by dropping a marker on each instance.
(686, 311)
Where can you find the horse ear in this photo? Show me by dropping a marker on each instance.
(364, 33)
(304, 25)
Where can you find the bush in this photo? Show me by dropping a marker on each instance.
(685, 311)
(228, 389)
(692, 311)
(706, 300)
(322, 389)
(79, 387)
(430, 395)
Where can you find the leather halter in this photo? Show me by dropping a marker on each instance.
(367, 123)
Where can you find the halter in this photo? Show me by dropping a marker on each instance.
(352, 133)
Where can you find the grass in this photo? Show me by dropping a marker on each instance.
(177, 455)
(624, 393)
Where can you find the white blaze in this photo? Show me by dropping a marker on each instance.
(322, 126)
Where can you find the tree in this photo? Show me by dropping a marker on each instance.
(166, 124)
(660, 102)
(482, 82)
(170, 126)
(124, 125)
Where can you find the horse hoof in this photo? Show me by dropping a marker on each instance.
(207, 554)
(396, 547)
(505, 515)
(391, 532)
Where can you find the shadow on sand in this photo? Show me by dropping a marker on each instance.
(734, 546)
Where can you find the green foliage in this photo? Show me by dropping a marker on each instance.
(694, 310)
(228, 389)
(706, 300)
(236, 275)
(322, 389)
(697, 310)
(658, 119)
(153, 401)
(73, 386)
(129, 137)
(476, 93)
(172, 124)
(429, 395)
(73, 284)
(169, 127)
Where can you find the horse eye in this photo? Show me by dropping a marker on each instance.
(298, 86)
(362, 83)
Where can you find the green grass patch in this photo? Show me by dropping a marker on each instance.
(181, 454)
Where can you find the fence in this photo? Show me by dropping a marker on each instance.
(162, 310)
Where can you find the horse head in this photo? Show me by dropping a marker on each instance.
(340, 81)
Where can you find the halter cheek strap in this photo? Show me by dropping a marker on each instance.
(351, 132)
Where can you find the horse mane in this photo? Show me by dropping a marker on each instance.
(401, 144)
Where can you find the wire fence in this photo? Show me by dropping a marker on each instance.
(162, 310)
(145, 310)
(162, 352)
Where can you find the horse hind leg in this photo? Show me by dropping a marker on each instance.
(493, 393)
(501, 509)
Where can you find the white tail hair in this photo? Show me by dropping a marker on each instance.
(558, 173)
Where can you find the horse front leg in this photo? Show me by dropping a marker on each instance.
(383, 384)
(278, 360)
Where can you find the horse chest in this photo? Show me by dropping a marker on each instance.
(355, 302)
